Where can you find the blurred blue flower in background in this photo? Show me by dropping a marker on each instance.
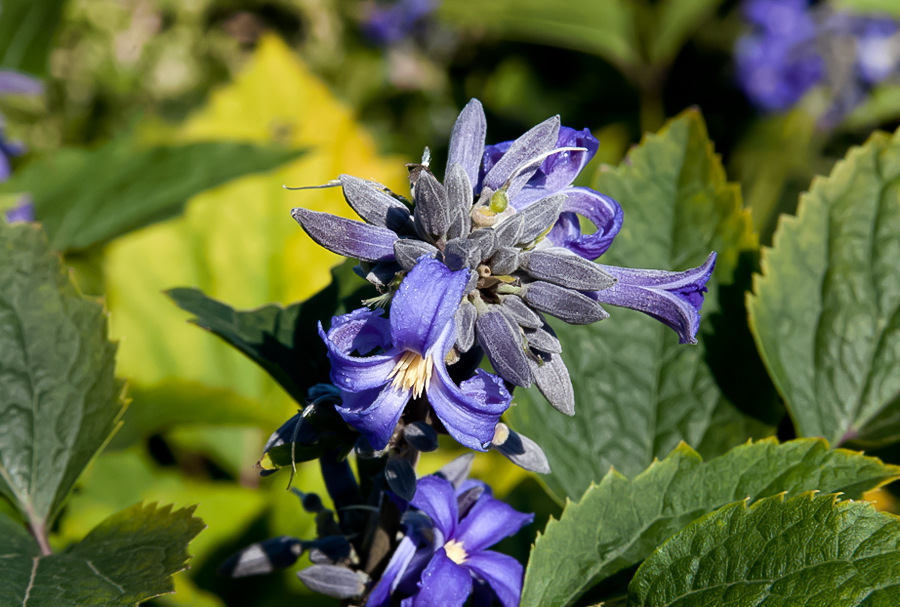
(14, 83)
(389, 23)
(793, 47)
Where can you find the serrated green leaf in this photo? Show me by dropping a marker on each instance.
(282, 340)
(618, 523)
(59, 398)
(130, 557)
(637, 391)
(96, 195)
(603, 28)
(27, 31)
(807, 550)
(826, 310)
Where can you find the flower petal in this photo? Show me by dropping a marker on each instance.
(602, 211)
(381, 594)
(488, 522)
(559, 170)
(361, 331)
(502, 572)
(374, 418)
(443, 583)
(673, 298)
(467, 140)
(424, 304)
(16, 83)
(537, 141)
(472, 411)
(436, 497)
(347, 237)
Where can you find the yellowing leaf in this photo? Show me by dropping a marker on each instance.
(238, 242)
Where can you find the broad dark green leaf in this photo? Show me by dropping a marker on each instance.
(59, 398)
(637, 391)
(826, 310)
(27, 31)
(604, 28)
(283, 341)
(807, 550)
(179, 403)
(128, 558)
(84, 197)
(618, 523)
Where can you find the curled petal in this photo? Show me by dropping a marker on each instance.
(559, 170)
(488, 522)
(443, 583)
(360, 331)
(537, 141)
(502, 572)
(467, 140)
(381, 594)
(673, 298)
(374, 413)
(436, 497)
(424, 305)
(347, 237)
(471, 411)
(602, 211)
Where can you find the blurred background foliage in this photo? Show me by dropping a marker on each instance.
(134, 90)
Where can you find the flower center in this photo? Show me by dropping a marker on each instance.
(456, 552)
(412, 372)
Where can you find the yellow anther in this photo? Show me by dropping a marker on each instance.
(412, 372)
(455, 552)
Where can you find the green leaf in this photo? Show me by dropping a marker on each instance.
(130, 557)
(96, 195)
(603, 28)
(618, 523)
(27, 32)
(674, 22)
(638, 393)
(807, 550)
(282, 340)
(826, 310)
(877, 7)
(178, 403)
(59, 398)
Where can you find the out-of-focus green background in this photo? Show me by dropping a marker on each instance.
(301, 74)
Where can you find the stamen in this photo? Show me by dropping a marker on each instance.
(412, 372)
(331, 184)
(456, 552)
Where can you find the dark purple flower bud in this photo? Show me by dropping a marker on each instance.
(520, 450)
(459, 197)
(673, 298)
(503, 343)
(566, 269)
(457, 470)
(543, 339)
(552, 378)
(465, 326)
(486, 240)
(538, 218)
(347, 237)
(375, 206)
(516, 309)
(504, 261)
(509, 230)
(565, 304)
(462, 253)
(408, 251)
(467, 140)
(263, 557)
(432, 217)
(334, 581)
(400, 477)
(421, 437)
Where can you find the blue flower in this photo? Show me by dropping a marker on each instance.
(390, 23)
(465, 522)
(407, 360)
(673, 298)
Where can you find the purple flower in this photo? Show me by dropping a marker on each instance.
(407, 361)
(23, 212)
(555, 176)
(389, 23)
(778, 62)
(673, 298)
(462, 528)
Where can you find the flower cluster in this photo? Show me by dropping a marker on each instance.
(14, 83)
(466, 268)
(793, 47)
